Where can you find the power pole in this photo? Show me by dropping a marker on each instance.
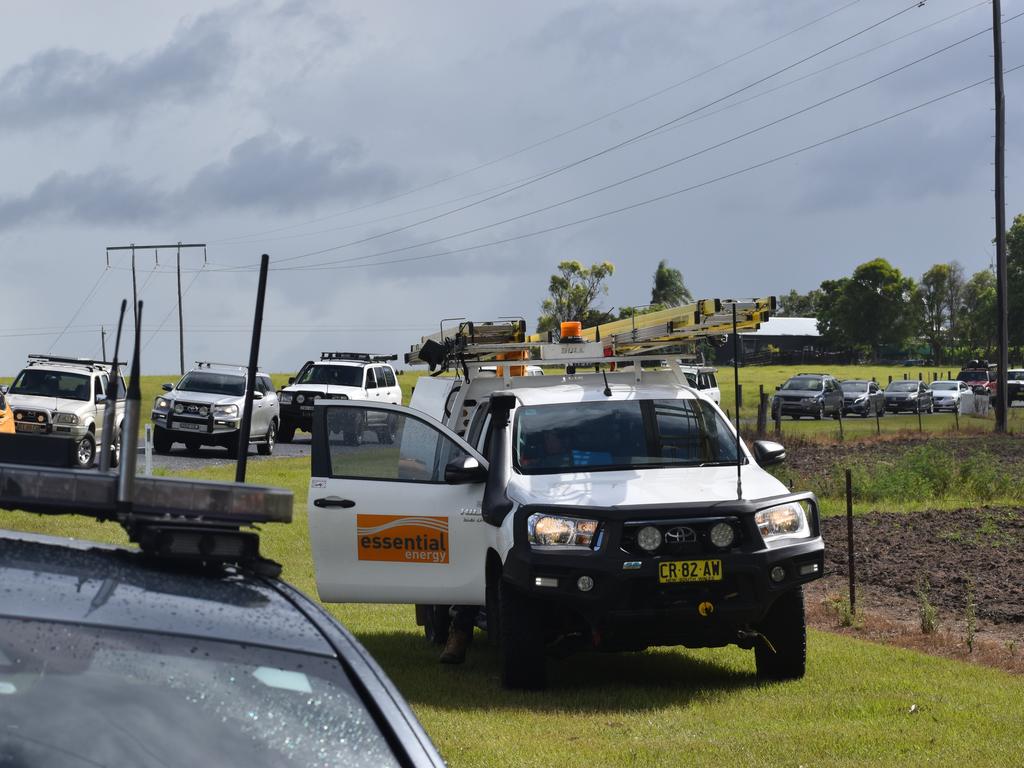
(181, 321)
(156, 255)
(103, 341)
(1001, 292)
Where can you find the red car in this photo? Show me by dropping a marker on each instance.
(980, 377)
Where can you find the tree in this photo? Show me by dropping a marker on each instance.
(932, 297)
(795, 304)
(978, 312)
(954, 300)
(572, 293)
(669, 289)
(1015, 279)
(869, 309)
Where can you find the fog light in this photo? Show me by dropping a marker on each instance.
(777, 574)
(545, 581)
(808, 568)
(723, 535)
(584, 583)
(649, 538)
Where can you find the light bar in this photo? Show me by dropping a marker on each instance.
(72, 492)
(365, 357)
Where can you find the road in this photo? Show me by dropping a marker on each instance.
(180, 461)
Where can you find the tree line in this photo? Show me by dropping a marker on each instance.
(880, 310)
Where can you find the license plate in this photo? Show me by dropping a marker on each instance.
(193, 427)
(306, 407)
(674, 571)
(30, 428)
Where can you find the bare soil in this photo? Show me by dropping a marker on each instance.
(905, 562)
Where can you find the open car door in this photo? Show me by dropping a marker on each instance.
(394, 507)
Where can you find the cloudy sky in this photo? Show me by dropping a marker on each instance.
(403, 162)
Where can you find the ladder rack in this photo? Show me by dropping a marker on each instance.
(640, 335)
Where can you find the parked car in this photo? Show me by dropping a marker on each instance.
(865, 398)
(1014, 385)
(704, 379)
(6, 414)
(910, 395)
(980, 376)
(947, 394)
(189, 652)
(808, 394)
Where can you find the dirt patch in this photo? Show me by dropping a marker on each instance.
(946, 559)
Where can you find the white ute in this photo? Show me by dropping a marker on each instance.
(604, 510)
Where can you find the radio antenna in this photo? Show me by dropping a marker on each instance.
(110, 407)
(130, 444)
(250, 383)
(736, 388)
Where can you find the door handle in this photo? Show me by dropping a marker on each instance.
(334, 501)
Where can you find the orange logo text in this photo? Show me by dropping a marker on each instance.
(398, 539)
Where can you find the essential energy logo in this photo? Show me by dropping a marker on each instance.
(397, 539)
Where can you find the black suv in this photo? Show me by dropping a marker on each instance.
(808, 394)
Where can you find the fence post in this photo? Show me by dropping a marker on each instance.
(148, 448)
(762, 414)
(849, 543)
(890, 378)
(777, 415)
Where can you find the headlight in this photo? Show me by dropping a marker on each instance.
(648, 538)
(161, 404)
(861, 399)
(300, 398)
(179, 408)
(227, 411)
(286, 398)
(787, 521)
(723, 535)
(65, 418)
(551, 530)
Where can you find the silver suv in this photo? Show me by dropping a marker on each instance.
(65, 397)
(205, 408)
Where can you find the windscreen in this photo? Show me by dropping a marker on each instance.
(339, 375)
(803, 383)
(74, 696)
(903, 386)
(213, 383)
(1015, 375)
(620, 434)
(854, 386)
(972, 376)
(69, 386)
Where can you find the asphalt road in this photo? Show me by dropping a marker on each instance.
(209, 456)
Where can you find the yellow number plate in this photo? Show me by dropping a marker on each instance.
(689, 570)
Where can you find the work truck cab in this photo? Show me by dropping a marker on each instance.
(610, 510)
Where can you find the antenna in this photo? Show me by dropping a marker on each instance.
(736, 386)
(254, 353)
(110, 409)
(607, 389)
(130, 445)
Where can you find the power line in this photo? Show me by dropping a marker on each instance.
(674, 193)
(662, 166)
(561, 134)
(173, 309)
(695, 119)
(88, 296)
(594, 155)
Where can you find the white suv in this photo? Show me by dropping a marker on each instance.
(338, 376)
(65, 397)
(611, 511)
(205, 408)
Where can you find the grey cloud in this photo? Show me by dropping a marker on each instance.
(101, 197)
(266, 171)
(64, 84)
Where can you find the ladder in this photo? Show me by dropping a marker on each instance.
(638, 336)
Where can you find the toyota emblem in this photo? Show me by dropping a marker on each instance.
(681, 534)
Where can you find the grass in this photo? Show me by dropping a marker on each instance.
(860, 703)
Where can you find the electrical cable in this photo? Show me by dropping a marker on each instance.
(677, 192)
(600, 153)
(88, 296)
(558, 135)
(665, 165)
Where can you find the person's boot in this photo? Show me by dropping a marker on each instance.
(455, 649)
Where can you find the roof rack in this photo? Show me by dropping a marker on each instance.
(365, 357)
(210, 364)
(84, 362)
(640, 335)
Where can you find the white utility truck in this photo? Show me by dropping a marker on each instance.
(608, 509)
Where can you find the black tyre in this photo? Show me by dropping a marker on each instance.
(785, 629)
(115, 449)
(286, 433)
(437, 624)
(522, 640)
(193, 446)
(232, 446)
(820, 413)
(267, 448)
(85, 451)
(162, 440)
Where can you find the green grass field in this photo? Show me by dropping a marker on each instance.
(664, 707)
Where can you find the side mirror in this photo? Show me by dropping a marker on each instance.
(3, 389)
(100, 398)
(767, 453)
(464, 470)
(166, 387)
(778, 387)
(257, 395)
(291, 380)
